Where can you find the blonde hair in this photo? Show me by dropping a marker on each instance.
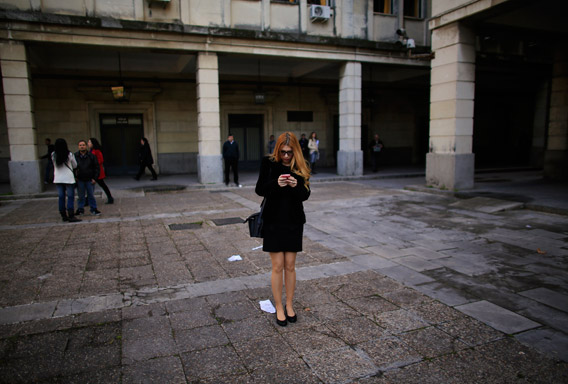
(298, 164)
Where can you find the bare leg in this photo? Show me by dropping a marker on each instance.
(290, 280)
(276, 279)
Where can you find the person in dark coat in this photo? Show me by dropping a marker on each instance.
(376, 146)
(284, 183)
(87, 174)
(145, 159)
(231, 156)
(49, 165)
(304, 146)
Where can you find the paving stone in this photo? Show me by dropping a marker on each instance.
(149, 310)
(424, 372)
(235, 311)
(431, 342)
(407, 298)
(248, 329)
(285, 372)
(372, 261)
(265, 351)
(388, 252)
(312, 340)
(356, 330)
(332, 311)
(29, 312)
(547, 341)
(163, 369)
(470, 331)
(200, 338)
(435, 312)
(548, 297)
(328, 367)
(389, 352)
(497, 317)
(399, 321)
(371, 306)
(104, 375)
(212, 362)
(406, 275)
(417, 263)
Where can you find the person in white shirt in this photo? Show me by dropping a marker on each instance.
(313, 146)
(64, 179)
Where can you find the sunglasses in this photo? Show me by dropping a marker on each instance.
(289, 153)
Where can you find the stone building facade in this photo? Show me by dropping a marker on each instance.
(498, 91)
(194, 70)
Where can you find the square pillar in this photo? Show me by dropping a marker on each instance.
(24, 165)
(450, 162)
(209, 160)
(556, 154)
(350, 155)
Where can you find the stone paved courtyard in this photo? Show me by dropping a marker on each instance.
(394, 286)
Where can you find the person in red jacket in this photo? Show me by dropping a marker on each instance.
(95, 148)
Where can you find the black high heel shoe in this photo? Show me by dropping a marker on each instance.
(281, 323)
(291, 319)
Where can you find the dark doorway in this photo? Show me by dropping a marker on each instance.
(120, 139)
(247, 130)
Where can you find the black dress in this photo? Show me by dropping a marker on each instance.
(283, 212)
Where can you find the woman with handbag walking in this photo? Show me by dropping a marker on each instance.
(284, 183)
(64, 179)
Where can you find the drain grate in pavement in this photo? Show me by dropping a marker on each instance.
(179, 227)
(227, 221)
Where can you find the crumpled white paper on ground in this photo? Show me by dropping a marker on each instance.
(266, 306)
(235, 258)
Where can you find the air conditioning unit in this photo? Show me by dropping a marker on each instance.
(320, 13)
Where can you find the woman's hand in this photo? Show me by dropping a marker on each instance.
(283, 180)
(287, 180)
(292, 182)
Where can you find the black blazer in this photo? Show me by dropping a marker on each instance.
(283, 204)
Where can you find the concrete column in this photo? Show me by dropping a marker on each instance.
(556, 155)
(450, 163)
(350, 155)
(209, 164)
(24, 165)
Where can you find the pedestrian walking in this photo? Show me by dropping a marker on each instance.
(304, 146)
(87, 175)
(95, 148)
(145, 159)
(376, 146)
(231, 156)
(64, 179)
(284, 183)
(271, 144)
(49, 165)
(313, 145)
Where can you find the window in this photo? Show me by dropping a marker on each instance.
(412, 8)
(382, 6)
(285, 1)
(317, 2)
(300, 116)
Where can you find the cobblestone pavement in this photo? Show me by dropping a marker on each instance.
(394, 286)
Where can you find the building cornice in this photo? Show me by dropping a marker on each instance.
(43, 27)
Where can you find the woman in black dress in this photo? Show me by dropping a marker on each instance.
(284, 183)
(145, 159)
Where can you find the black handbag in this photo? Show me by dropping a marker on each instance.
(255, 222)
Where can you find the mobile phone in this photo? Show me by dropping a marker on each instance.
(285, 176)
